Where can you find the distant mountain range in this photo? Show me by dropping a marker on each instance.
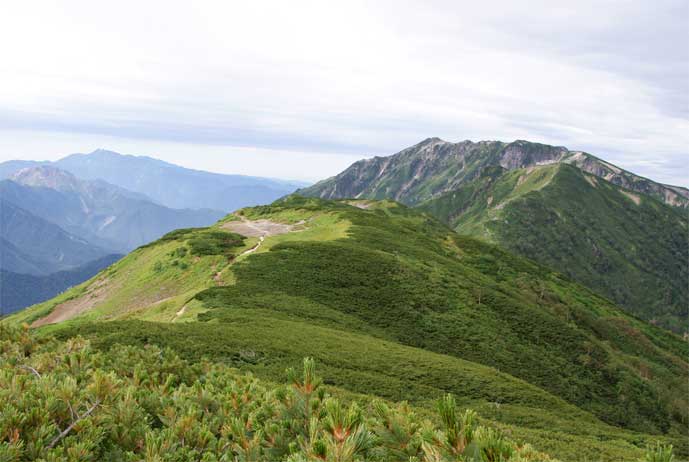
(106, 215)
(618, 233)
(167, 184)
(62, 221)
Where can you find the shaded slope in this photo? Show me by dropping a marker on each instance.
(626, 246)
(29, 244)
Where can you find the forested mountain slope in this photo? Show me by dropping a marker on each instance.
(394, 304)
(173, 410)
(626, 246)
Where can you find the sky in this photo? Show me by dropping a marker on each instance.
(300, 89)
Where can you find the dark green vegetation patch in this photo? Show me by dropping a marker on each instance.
(624, 245)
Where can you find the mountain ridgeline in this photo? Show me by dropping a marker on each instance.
(620, 234)
(434, 166)
(164, 183)
(393, 304)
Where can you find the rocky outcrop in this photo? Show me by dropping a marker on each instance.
(434, 167)
(671, 195)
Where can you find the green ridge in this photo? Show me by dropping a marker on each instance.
(394, 304)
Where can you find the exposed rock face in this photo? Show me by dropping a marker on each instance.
(434, 167)
(522, 154)
(671, 195)
(46, 176)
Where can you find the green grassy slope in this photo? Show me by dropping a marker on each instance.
(394, 304)
(624, 245)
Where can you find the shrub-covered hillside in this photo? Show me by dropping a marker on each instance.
(391, 303)
(626, 246)
(63, 401)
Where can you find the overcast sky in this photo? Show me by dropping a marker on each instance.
(300, 90)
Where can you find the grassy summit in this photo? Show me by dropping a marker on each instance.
(393, 304)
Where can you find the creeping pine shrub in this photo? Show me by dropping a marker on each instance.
(64, 401)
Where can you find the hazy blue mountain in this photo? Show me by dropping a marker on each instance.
(30, 244)
(13, 257)
(10, 167)
(165, 183)
(21, 290)
(175, 186)
(101, 213)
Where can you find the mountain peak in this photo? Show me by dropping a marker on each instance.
(100, 152)
(433, 167)
(430, 141)
(46, 176)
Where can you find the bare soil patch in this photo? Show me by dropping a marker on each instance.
(259, 228)
(360, 204)
(96, 293)
(592, 180)
(180, 313)
(632, 196)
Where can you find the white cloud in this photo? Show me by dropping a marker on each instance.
(346, 79)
